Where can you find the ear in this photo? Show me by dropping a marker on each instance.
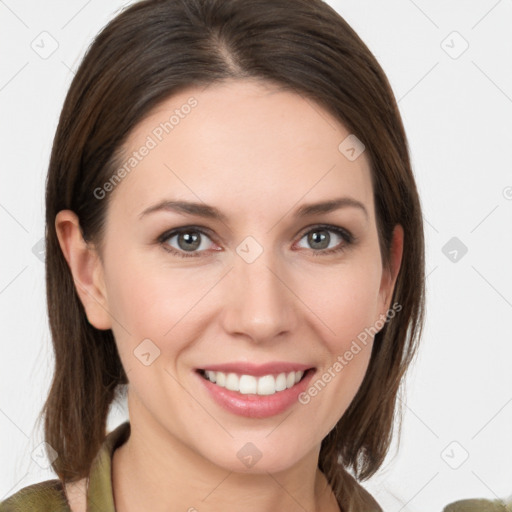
(389, 276)
(86, 268)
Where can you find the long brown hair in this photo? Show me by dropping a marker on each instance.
(152, 50)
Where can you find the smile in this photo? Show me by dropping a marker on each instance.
(249, 384)
(255, 397)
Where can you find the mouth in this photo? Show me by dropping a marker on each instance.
(263, 385)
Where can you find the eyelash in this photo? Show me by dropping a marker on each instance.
(346, 235)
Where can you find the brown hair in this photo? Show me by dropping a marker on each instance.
(152, 50)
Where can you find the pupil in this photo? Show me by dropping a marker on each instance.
(191, 241)
(317, 237)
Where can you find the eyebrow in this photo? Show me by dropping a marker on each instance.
(210, 212)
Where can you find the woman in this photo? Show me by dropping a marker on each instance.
(234, 233)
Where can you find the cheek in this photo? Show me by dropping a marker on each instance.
(146, 299)
(345, 300)
(147, 305)
(163, 305)
(347, 309)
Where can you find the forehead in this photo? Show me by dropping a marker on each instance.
(243, 146)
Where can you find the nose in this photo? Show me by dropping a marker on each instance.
(259, 300)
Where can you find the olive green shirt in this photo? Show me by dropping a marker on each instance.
(49, 496)
(479, 506)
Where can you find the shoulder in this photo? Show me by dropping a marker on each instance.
(361, 499)
(47, 496)
(477, 505)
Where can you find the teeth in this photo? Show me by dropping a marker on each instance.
(245, 384)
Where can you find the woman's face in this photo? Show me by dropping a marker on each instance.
(250, 279)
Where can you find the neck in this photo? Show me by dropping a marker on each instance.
(160, 473)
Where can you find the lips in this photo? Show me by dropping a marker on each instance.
(255, 405)
(245, 368)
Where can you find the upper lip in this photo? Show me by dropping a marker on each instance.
(257, 370)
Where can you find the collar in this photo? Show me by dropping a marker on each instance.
(100, 496)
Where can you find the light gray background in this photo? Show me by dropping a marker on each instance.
(457, 112)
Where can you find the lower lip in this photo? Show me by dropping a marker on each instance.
(253, 405)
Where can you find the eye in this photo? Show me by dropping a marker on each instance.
(190, 241)
(320, 239)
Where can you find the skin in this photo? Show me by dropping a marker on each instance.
(256, 153)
